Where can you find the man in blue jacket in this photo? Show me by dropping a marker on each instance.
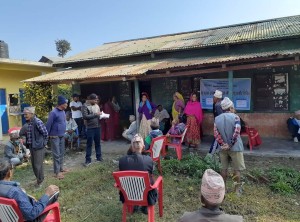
(56, 126)
(31, 209)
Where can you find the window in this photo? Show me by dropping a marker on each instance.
(271, 92)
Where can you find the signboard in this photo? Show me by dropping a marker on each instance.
(241, 92)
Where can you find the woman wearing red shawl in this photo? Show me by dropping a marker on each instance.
(193, 110)
(108, 130)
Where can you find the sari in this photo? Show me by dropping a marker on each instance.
(146, 112)
(178, 105)
(193, 110)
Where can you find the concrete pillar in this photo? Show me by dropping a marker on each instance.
(230, 84)
(1, 132)
(137, 102)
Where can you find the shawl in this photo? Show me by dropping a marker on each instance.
(194, 109)
(180, 98)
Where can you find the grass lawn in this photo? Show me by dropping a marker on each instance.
(88, 194)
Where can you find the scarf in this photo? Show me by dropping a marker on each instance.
(174, 111)
(194, 109)
(147, 104)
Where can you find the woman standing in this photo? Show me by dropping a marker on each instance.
(193, 110)
(109, 128)
(146, 111)
(178, 105)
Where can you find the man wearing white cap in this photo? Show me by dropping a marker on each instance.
(139, 162)
(36, 139)
(294, 126)
(212, 195)
(217, 110)
(227, 129)
(132, 130)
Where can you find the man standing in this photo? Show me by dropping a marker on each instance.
(56, 126)
(212, 195)
(139, 162)
(91, 114)
(76, 112)
(227, 133)
(217, 110)
(36, 139)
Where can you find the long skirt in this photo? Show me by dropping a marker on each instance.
(193, 133)
(145, 127)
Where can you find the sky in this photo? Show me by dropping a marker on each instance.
(30, 27)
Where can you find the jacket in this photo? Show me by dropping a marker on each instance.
(92, 119)
(56, 124)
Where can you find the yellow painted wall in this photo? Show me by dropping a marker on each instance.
(10, 80)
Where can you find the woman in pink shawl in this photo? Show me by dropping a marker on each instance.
(193, 110)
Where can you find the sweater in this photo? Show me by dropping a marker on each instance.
(56, 124)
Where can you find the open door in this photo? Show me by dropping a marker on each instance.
(3, 111)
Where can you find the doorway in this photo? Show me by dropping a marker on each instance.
(3, 111)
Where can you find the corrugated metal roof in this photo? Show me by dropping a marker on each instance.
(255, 31)
(96, 72)
(24, 62)
(130, 70)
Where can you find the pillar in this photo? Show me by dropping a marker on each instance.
(137, 102)
(230, 84)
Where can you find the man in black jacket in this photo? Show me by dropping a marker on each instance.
(91, 114)
(139, 162)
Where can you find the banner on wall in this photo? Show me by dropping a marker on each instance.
(241, 92)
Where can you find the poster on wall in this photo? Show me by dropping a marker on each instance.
(241, 92)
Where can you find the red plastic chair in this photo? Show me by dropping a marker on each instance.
(157, 144)
(253, 137)
(135, 186)
(10, 212)
(177, 147)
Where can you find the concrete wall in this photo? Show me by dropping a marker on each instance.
(267, 124)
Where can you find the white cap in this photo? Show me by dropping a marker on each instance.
(218, 94)
(226, 103)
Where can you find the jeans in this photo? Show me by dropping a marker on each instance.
(58, 152)
(79, 122)
(93, 134)
(293, 129)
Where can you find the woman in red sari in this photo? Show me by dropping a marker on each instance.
(109, 130)
(193, 110)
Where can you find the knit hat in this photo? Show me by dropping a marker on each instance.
(218, 94)
(137, 138)
(132, 118)
(154, 122)
(93, 96)
(226, 103)
(14, 132)
(29, 109)
(75, 95)
(212, 187)
(61, 100)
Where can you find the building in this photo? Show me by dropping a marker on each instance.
(12, 72)
(256, 64)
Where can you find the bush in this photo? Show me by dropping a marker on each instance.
(191, 165)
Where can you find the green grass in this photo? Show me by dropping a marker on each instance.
(88, 194)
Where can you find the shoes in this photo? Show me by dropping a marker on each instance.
(296, 140)
(65, 170)
(144, 210)
(99, 160)
(86, 164)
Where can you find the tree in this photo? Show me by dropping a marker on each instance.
(62, 47)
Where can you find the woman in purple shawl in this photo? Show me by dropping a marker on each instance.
(193, 110)
(146, 111)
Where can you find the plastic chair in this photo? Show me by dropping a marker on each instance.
(176, 146)
(253, 137)
(10, 212)
(135, 186)
(157, 144)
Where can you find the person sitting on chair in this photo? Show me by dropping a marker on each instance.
(132, 130)
(293, 126)
(212, 195)
(164, 118)
(71, 126)
(155, 132)
(139, 162)
(30, 208)
(14, 150)
(177, 128)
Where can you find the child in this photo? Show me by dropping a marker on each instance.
(14, 150)
(155, 132)
(177, 128)
(70, 135)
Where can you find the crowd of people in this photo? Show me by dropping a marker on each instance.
(86, 120)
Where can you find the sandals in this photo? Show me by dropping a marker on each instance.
(59, 176)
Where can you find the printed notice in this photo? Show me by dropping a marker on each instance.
(241, 103)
